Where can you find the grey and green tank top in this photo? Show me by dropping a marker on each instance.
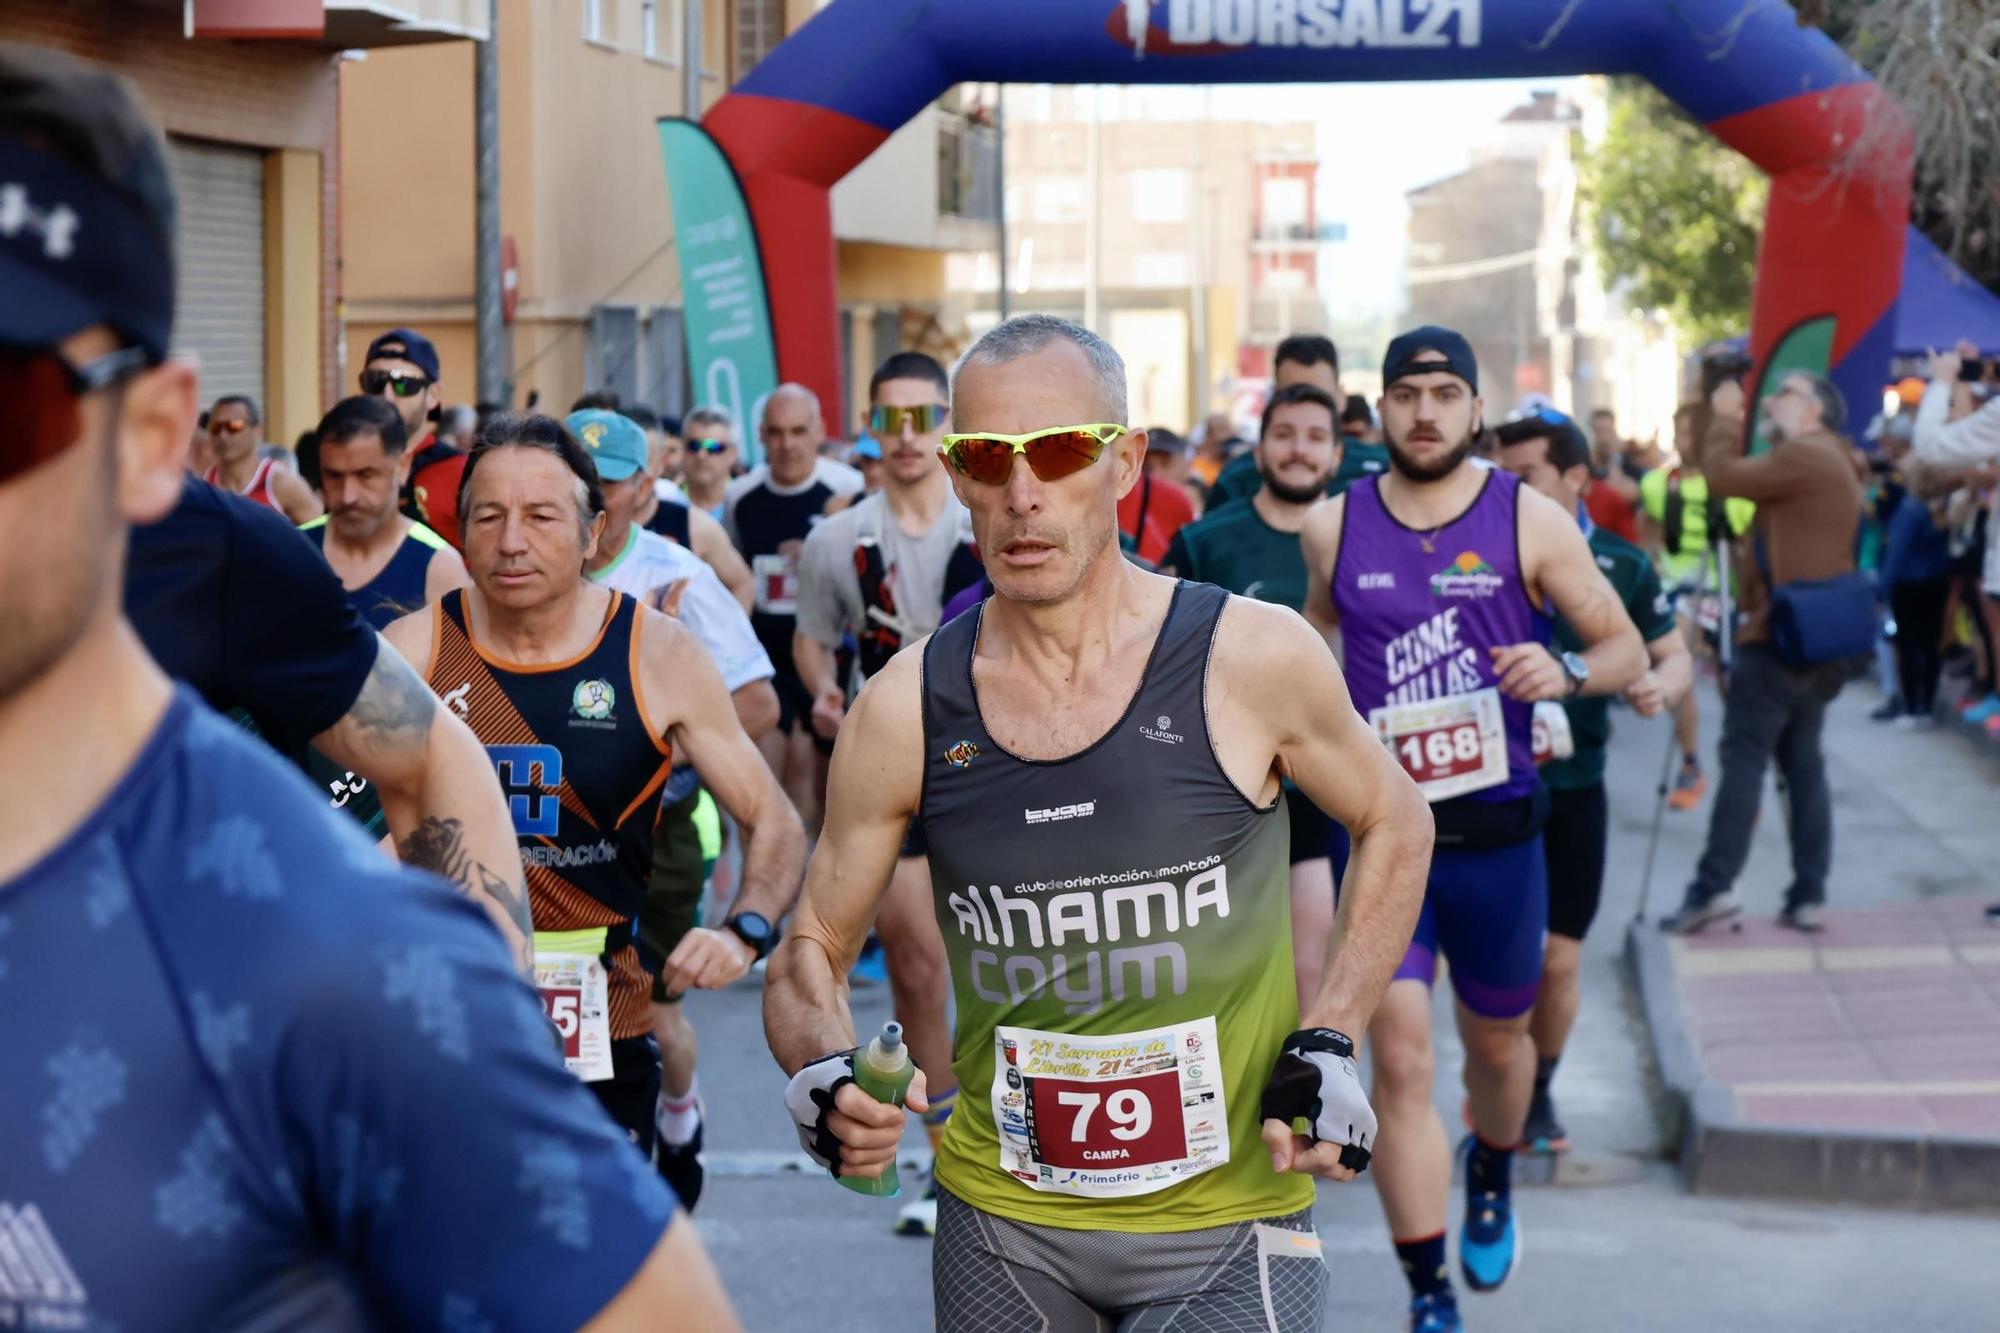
(1127, 891)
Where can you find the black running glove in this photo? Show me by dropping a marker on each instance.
(1315, 1081)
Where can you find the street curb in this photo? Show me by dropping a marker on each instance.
(1720, 1154)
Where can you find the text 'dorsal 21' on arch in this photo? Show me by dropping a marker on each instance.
(1784, 96)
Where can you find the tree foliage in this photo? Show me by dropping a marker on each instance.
(1940, 60)
(1674, 214)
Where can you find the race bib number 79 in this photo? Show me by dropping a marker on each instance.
(1109, 1116)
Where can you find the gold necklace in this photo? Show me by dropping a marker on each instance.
(1428, 540)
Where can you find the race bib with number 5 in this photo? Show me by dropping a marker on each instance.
(576, 996)
(1553, 738)
(1109, 1116)
(1448, 746)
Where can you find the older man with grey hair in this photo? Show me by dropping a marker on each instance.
(1094, 759)
(767, 514)
(1809, 500)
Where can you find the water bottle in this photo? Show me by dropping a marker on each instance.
(882, 1069)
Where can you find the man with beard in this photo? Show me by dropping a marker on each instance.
(1303, 358)
(1439, 579)
(882, 570)
(1251, 547)
(1096, 754)
(389, 563)
(305, 1077)
(402, 368)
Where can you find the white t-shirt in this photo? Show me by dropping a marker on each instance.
(830, 601)
(649, 562)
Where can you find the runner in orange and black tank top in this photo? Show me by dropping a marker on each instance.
(582, 769)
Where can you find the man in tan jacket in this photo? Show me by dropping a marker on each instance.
(1808, 510)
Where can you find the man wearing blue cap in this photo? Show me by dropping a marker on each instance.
(1438, 581)
(672, 579)
(306, 1080)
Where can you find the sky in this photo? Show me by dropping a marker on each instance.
(1376, 142)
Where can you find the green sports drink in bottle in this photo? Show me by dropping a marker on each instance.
(882, 1069)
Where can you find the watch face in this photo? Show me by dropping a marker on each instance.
(751, 926)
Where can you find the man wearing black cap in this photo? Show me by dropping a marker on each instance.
(306, 1079)
(402, 366)
(1438, 581)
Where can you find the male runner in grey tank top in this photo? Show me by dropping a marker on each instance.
(1094, 757)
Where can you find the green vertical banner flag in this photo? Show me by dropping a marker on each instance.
(732, 360)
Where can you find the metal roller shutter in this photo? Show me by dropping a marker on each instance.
(220, 250)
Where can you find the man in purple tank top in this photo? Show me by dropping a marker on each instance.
(1438, 580)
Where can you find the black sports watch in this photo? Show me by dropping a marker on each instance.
(1576, 670)
(754, 930)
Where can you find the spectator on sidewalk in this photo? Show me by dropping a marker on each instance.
(1808, 510)
(1916, 574)
(1953, 432)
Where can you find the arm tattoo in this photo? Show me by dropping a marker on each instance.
(438, 846)
(394, 707)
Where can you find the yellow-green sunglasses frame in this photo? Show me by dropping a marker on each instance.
(1100, 433)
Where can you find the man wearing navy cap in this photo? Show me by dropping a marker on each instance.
(402, 366)
(1437, 581)
(300, 1075)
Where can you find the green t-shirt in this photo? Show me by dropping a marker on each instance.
(1239, 478)
(1234, 548)
(1638, 587)
(1358, 459)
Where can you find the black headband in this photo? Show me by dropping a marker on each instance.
(75, 252)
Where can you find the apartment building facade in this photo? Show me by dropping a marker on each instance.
(246, 96)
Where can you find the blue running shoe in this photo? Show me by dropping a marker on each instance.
(1985, 708)
(1435, 1313)
(870, 967)
(1489, 1244)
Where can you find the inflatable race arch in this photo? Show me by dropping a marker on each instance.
(1829, 266)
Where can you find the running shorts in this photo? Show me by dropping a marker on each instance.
(1486, 910)
(673, 890)
(1574, 841)
(914, 841)
(631, 1094)
(1309, 827)
(993, 1275)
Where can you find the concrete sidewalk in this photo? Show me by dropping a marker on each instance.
(1863, 1064)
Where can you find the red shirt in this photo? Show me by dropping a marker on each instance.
(434, 488)
(1612, 512)
(1152, 512)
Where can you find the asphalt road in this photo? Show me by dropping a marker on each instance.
(1613, 1244)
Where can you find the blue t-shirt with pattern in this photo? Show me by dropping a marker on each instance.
(253, 1073)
